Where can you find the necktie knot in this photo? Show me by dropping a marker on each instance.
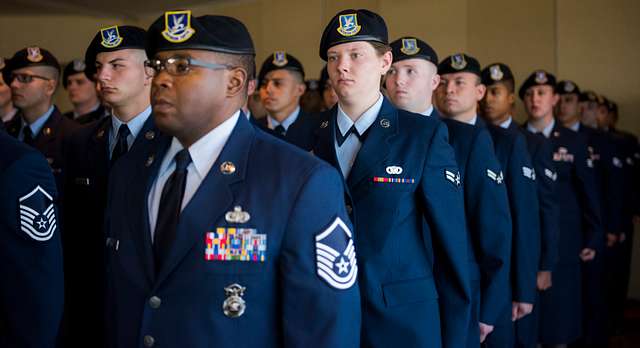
(123, 131)
(340, 138)
(183, 159)
(280, 130)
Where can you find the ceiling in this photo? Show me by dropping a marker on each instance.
(103, 8)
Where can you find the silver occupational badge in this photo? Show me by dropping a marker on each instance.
(234, 305)
(237, 216)
(149, 135)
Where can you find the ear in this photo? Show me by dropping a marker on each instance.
(237, 78)
(556, 98)
(300, 89)
(435, 82)
(480, 91)
(50, 87)
(387, 60)
(511, 98)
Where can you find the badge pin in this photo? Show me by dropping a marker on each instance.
(234, 305)
(237, 216)
(34, 55)
(100, 134)
(177, 26)
(47, 131)
(279, 59)
(110, 37)
(496, 72)
(541, 77)
(385, 123)
(149, 135)
(556, 134)
(227, 168)
(617, 162)
(324, 124)
(149, 161)
(348, 24)
(394, 170)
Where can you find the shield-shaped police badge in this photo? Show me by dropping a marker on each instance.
(37, 214)
(336, 256)
(409, 47)
(33, 54)
(280, 58)
(177, 26)
(348, 24)
(496, 72)
(541, 77)
(110, 37)
(458, 61)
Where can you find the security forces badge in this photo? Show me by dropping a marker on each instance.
(279, 59)
(496, 72)
(37, 214)
(336, 256)
(541, 77)
(177, 26)
(349, 25)
(110, 37)
(34, 55)
(458, 61)
(409, 47)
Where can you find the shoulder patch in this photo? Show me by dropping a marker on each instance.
(37, 214)
(336, 256)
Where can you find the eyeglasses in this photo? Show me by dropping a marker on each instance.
(26, 78)
(178, 66)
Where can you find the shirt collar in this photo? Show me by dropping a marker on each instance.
(39, 123)
(428, 112)
(575, 127)
(473, 120)
(506, 123)
(364, 122)
(546, 131)
(206, 150)
(286, 122)
(135, 124)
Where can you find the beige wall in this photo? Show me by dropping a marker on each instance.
(594, 42)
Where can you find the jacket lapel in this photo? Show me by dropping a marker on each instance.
(375, 148)
(213, 198)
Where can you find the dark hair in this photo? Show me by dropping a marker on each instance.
(380, 47)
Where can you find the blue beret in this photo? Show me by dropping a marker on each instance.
(353, 25)
(113, 38)
(280, 60)
(459, 62)
(537, 78)
(496, 72)
(409, 47)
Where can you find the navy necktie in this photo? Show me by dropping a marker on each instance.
(169, 210)
(121, 143)
(27, 135)
(280, 130)
(341, 138)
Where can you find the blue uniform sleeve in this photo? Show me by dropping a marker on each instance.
(444, 212)
(525, 215)
(318, 267)
(31, 294)
(489, 222)
(592, 223)
(546, 176)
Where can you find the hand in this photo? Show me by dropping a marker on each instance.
(587, 254)
(520, 310)
(612, 239)
(485, 330)
(544, 280)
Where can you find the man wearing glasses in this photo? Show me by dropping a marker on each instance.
(33, 74)
(207, 244)
(115, 59)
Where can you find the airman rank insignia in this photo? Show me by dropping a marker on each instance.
(550, 174)
(562, 155)
(110, 37)
(496, 72)
(458, 61)
(541, 77)
(279, 59)
(630, 161)
(235, 244)
(34, 55)
(409, 47)
(454, 178)
(349, 25)
(529, 173)
(336, 256)
(37, 214)
(177, 26)
(2, 64)
(497, 177)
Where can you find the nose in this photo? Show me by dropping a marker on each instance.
(103, 74)
(343, 65)
(162, 79)
(449, 87)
